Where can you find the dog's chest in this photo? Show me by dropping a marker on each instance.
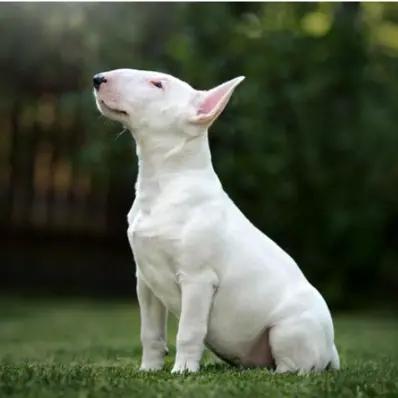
(156, 240)
(166, 230)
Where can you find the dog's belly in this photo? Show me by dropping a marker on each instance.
(239, 333)
(251, 353)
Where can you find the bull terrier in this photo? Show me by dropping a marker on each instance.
(197, 256)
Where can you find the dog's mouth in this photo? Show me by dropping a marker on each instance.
(110, 109)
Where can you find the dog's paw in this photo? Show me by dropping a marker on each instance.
(185, 366)
(151, 366)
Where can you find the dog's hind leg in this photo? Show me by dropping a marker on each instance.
(300, 345)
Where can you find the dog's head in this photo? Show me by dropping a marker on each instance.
(159, 104)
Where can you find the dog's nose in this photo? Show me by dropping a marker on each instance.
(97, 80)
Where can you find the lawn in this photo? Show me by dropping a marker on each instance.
(83, 348)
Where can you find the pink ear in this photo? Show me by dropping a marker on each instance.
(213, 102)
(212, 99)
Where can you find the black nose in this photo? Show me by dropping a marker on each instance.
(97, 80)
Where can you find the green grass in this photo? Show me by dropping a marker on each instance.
(91, 349)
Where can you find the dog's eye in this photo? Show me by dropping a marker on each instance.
(157, 84)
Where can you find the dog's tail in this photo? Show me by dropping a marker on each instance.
(335, 361)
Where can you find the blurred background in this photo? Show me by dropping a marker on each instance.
(307, 148)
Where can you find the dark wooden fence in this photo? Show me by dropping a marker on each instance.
(44, 184)
(62, 220)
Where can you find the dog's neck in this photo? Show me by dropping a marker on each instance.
(162, 161)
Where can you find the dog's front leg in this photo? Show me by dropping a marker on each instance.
(196, 300)
(153, 328)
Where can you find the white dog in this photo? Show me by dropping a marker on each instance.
(197, 256)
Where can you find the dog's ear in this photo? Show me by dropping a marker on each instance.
(211, 103)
